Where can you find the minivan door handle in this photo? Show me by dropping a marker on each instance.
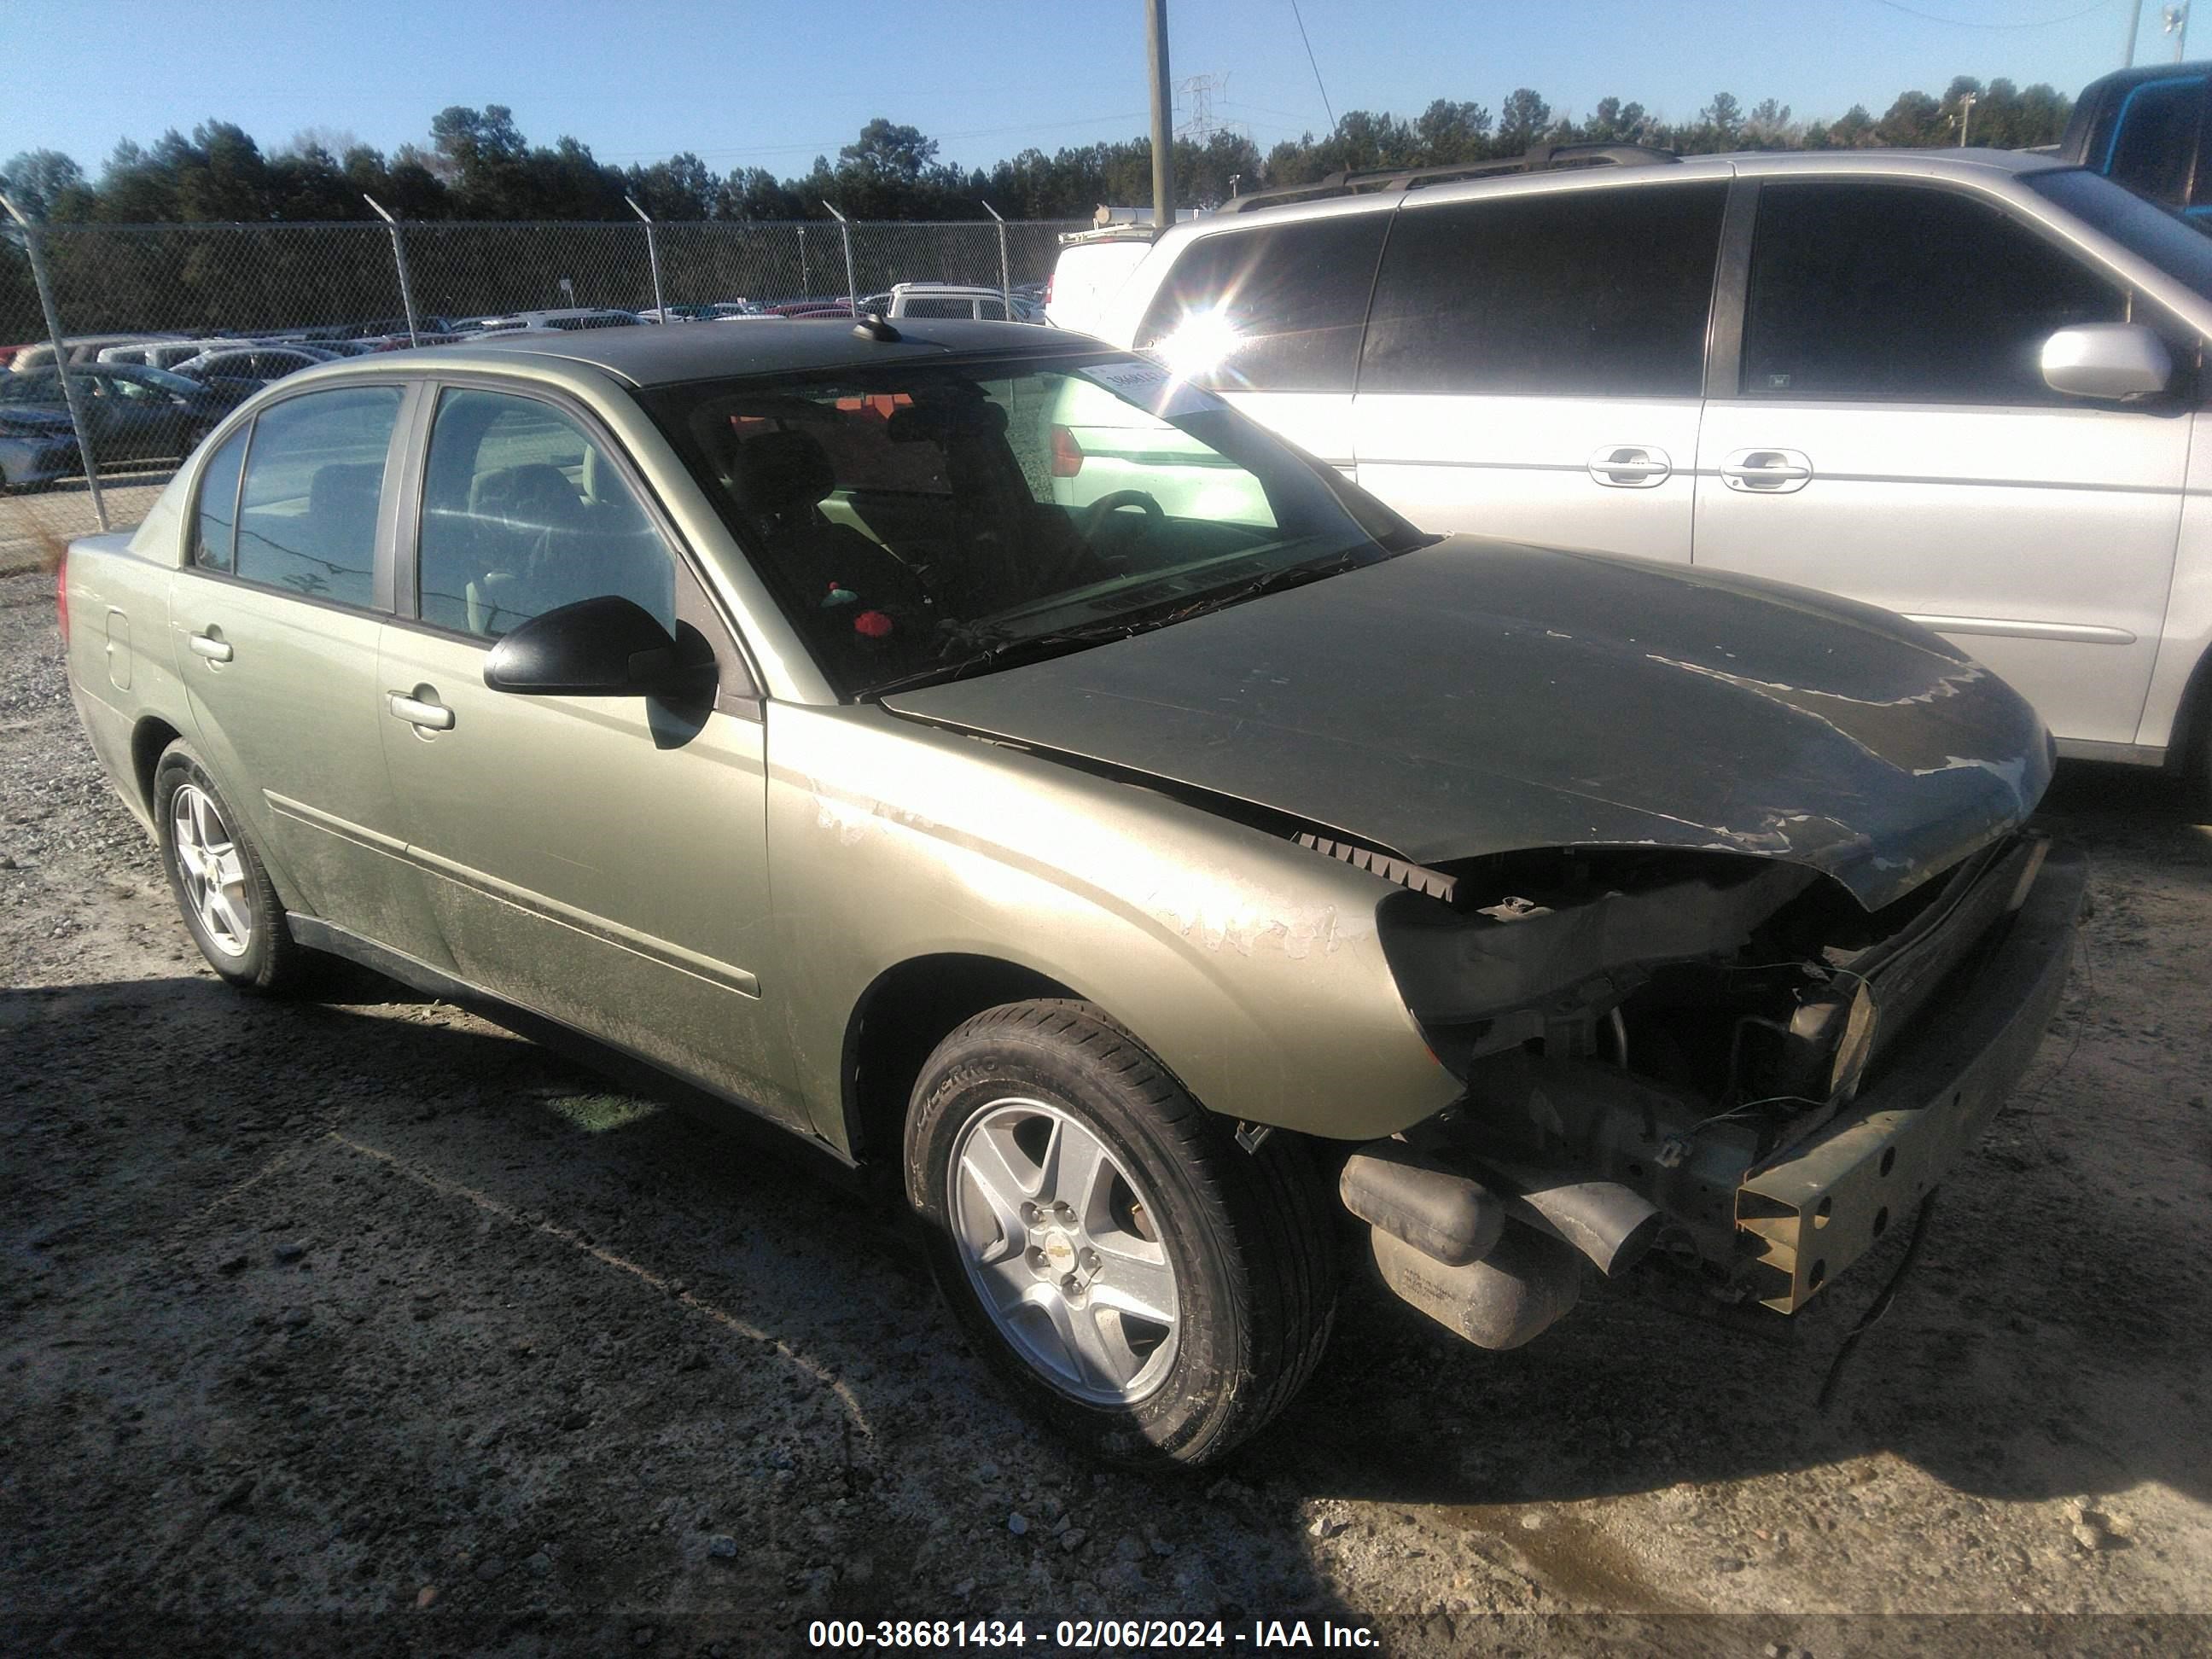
(1766, 471)
(424, 712)
(210, 645)
(1630, 466)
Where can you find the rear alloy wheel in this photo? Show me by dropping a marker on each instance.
(1135, 1277)
(230, 909)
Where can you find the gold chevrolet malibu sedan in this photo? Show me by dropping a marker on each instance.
(1174, 881)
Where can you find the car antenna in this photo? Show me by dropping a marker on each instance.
(873, 327)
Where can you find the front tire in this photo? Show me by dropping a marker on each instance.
(229, 908)
(1136, 1278)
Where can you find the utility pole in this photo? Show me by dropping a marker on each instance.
(2135, 25)
(1156, 49)
(1966, 116)
(2175, 20)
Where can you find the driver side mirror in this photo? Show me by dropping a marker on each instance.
(2107, 360)
(608, 646)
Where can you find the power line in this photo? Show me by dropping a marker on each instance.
(1317, 67)
(1963, 23)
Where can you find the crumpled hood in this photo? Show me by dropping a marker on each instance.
(1477, 697)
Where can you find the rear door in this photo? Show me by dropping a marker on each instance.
(1887, 435)
(1535, 363)
(1269, 319)
(602, 861)
(276, 618)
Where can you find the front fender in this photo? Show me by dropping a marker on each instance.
(1250, 965)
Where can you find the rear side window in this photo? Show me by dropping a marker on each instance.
(522, 512)
(215, 546)
(940, 308)
(1907, 294)
(1577, 294)
(1276, 308)
(2156, 142)
(314, 477)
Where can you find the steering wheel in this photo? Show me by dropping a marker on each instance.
(1094, 516)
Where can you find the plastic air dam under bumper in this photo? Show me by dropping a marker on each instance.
(1814, 1210)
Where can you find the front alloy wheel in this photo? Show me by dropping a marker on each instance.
(1135, 1277)
(1061, 1248)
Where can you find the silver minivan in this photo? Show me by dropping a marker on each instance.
(1962, 386)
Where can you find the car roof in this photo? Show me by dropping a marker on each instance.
(654, 356)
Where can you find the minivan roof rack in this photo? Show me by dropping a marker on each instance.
(1544, 158)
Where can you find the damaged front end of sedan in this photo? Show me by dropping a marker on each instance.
(1722, 1070)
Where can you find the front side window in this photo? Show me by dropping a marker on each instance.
(1907, 294)
(918, 520)
(1277, 309)
(216, 522)
(524, 513)
(1601, 292)
(314, 479)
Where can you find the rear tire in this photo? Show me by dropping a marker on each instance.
(229, 908)
(1137, 1278)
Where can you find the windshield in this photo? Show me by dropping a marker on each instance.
(2163, 238)
(924, 519)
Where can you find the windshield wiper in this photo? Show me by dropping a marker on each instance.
(1004, 653)
(1275, 581)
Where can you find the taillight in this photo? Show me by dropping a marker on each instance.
(1066, 454)
(61, 593)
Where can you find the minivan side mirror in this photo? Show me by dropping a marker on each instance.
(608, 646)
(2106, 360)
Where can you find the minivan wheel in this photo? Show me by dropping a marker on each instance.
(1136, 1278)
(229, 908)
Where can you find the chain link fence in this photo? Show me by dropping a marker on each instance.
(166, 326)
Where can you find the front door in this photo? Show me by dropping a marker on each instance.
(602, 861)
(1892, 439)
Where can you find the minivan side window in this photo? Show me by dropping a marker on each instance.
(1907, 294)
(1598, 293)
(215, 520)
(1276, 308)
(522, 512)
(314, 477)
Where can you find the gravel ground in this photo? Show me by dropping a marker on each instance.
(365, 1324)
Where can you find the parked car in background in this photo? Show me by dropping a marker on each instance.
(567, 320)
(133, 414)
(948, 300)
(238, 370)
(1091, 268)
(2145, 129)
(167, 354)
(81, 348)
(699, 313)
(1770, 365)
(386, 327)
(1138, 894)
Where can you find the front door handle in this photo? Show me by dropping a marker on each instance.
(210, 645)
(425, 712)
(1766, 471)
(1630, 466)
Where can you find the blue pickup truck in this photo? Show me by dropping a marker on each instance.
(2146, 128)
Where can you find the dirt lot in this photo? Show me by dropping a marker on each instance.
(366, 1325)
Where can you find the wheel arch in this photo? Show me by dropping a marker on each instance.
(905, 1012)
(150, 737)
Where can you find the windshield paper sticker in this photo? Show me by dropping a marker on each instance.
(1150, 385)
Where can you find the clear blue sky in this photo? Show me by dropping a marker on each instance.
(774, 85)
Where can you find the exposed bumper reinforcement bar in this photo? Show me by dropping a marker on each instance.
(1813, 1211)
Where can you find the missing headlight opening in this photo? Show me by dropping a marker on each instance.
(1664, 1052)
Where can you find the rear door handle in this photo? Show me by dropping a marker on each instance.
(210, 645)
(419, 711)
(1766, 471)
(1630, 466)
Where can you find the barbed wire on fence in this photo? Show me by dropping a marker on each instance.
(211, 285)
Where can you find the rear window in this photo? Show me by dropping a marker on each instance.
(1578, 293)
(1276, 308)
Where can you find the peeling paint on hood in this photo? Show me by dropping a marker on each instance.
(1477, 697)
